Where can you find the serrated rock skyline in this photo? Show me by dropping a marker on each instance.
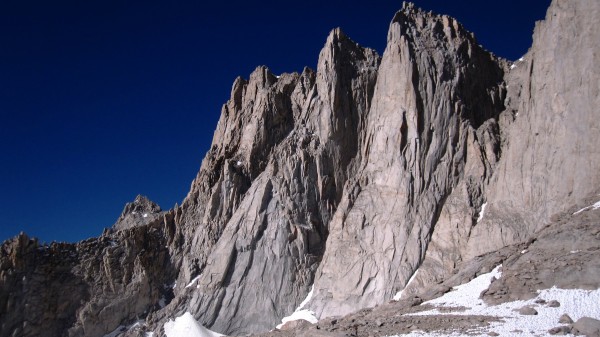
(349, 178)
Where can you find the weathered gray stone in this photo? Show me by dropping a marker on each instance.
(283, 196)
(553, 304)
(426, 106)
(549, 261)
(139, 212)
(516, 185)
(565, 319)
(548, 162)
(527, 310)
(560, 330)
(83, 289)
(587, 326)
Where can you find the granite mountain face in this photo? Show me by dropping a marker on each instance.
(437, 156)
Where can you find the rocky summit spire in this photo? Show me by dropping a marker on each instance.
(436, 89)
(261, 205)
(139, 212)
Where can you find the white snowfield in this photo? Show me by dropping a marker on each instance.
(194, 280)
(187, 326)
(576, 303)
(592, 207)
(398, 295)
(300, 312)
(481, 213)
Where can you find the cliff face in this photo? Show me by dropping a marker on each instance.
(349, 178)
(283, 149)
(436, 90)
(546, 144)
(551, 153)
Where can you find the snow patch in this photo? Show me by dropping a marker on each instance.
(593, 207)
(192, 281)
(467, 295)
(576, 303)
(145, 215)
(513, 66)
(300, 313)
(307, 299)
(481, 212)
(304, 314)
(187, 326)
(398, 295)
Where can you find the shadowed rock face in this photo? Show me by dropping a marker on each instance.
(83, 289)
(351, 177)
(36, 284)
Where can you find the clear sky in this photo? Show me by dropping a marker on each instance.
(104, 100)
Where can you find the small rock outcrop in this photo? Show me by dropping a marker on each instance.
(139, 212)
(560, 330)
(527, 310)
(565, 319)
(587, 326)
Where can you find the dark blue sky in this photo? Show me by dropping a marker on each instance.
(104, 100)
